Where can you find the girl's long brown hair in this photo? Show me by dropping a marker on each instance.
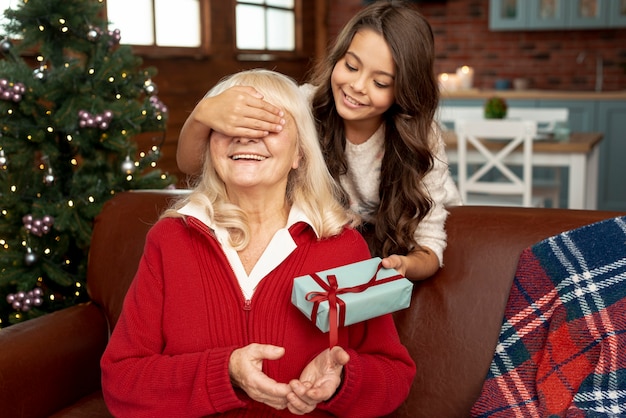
(404, 201)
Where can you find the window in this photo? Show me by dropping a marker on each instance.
(182, 27)
(267, 25)
(160, 23)
(6, 4)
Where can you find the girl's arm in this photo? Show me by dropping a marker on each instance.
(238, 111)
(416, 265)
(430, 233)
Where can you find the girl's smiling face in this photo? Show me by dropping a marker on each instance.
(362, 81)
(265, 163)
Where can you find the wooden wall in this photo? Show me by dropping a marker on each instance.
(546, 57)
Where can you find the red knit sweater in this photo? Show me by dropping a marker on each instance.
(184, 314)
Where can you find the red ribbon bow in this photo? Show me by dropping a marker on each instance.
(337, 316)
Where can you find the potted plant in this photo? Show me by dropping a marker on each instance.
(495, 108)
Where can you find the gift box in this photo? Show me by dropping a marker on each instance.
(350, 294)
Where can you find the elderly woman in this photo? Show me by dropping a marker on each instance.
(208, 327)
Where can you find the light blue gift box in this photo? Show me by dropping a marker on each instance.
(375, 301)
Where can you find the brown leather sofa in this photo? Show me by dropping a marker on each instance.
(49, 366)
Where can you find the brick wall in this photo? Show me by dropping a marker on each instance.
(547, 58)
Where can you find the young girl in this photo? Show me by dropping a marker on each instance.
(374, 98)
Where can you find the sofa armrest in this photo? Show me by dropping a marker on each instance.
(51, 361)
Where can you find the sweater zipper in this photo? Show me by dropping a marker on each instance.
(247, 303)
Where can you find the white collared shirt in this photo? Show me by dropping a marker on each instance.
(279, 248)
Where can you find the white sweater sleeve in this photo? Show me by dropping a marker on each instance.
(439, 184)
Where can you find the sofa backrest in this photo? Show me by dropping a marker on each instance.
(452, 325)
(117, 245)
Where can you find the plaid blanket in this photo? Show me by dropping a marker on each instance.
(562, 346)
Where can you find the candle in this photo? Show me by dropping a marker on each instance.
(465, 76)
(449, 82)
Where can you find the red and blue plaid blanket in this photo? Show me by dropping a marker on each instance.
(562, 346)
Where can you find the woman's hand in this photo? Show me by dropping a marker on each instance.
(245, 369)
(318, 382)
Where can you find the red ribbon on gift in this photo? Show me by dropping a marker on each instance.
(337, 315)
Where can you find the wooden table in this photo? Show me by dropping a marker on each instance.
(580, 153)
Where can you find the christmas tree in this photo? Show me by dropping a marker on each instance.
(72, 100)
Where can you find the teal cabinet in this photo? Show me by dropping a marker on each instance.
(547, 14)
(588, 14)
(556, 14)
(617, 13)
(508, 14)
(612, 187)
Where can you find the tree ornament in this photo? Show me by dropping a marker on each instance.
(93, 34)
(158, 104)
(115, 37)
(23, 301)
(3, 160)
(40, 73)
(128, 166)
(37, 226)
(11, 91)
(49, 177)
(100, 120)
(149, 87)
(5, 45)
(30, 257)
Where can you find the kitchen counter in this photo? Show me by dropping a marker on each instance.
(535, 94)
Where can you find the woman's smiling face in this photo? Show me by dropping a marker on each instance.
(363, 79)
(244, 163)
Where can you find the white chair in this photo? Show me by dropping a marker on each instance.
(505, 187)
(547, 183)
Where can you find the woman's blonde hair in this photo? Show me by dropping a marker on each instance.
(310, 186)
